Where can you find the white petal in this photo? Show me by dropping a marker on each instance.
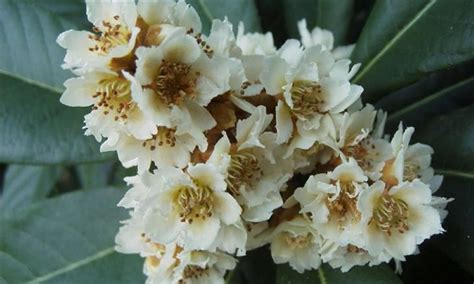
(284, 123)
(291, 51)
(98, 11)
(227, 207)
(273, 75)
(163, 229)
(78, 93)
(201, 234)
(208, 175)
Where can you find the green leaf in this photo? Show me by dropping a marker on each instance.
(458, 240)
(327, 14)
(68, 239)
(94, 175)
(326, 275)
(24, 185)
(35, 127)
(236, 11)
(119, 173)
(426, 107)
(452, 137)
(404, 40)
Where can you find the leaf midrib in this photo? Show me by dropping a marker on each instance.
(31, 82)
(206, 11)
(27, 80)
(393, 41)
(74, 265)
(429, 98)
(455, 173)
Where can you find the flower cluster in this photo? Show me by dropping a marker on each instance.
(239, 144)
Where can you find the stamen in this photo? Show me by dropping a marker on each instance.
(175, 82)
(110, 36)
(362, 152)
(298, 242)
(194, 202)
(163, 137)
(411, 171)
(193, 272)
(244, 169)
(113, 95)
(391, 213)
(345, 204)
(307, 99)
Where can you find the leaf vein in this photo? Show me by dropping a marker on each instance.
(392, 42)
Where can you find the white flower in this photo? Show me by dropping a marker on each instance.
(416, 158)
(114, 36)
(297, 243)
(398, 219)
(165, 148)
(309, 86)
(346, 257)
(189, 208)
(252, 174)
(255, 43)
(360, 139)
(113, 109)
(325, 38)
(317, 36)
(202, 267)
(136, 194)
(177, 266)
(176, 80)
(258, 234)
(331, 200)
(159, 15)
(221, 41)
(131, 238)
(231, 239)
(160, 269)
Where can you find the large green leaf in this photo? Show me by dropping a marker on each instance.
(452, 137)
(327, 275)
(426, 106)
(236, 11)
(458, 240)
(35, 127)
(327, 14)
(95, 175)
(404, 40)
(24, 185)
(68, 239)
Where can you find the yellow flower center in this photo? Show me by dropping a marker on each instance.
(174, 82)
(298, 242)
(363, 152)
(243, 171)
(110, 36)
(355, 249)
(194, 202)
(306, 97)
(163, 137)
(193, 272)
(410, 171)
(113, 95)
(391, 213)
(345, 205)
